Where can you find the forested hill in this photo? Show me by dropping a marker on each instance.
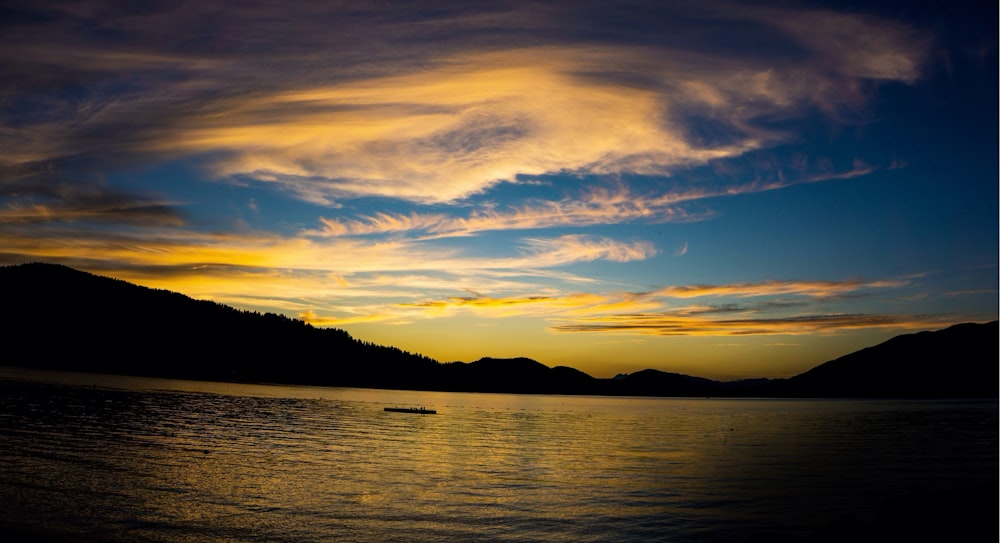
(55, 317)
(60, 318)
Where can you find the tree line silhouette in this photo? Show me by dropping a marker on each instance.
(56, 317)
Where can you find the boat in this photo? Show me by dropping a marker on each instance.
(417, 410)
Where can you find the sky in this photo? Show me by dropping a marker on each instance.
(722, 189)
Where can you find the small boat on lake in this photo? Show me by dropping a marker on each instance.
(417, 410)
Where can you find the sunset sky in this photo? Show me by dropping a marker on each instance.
(723, 189)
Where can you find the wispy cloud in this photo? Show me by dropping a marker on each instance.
(652, 313)
(452, 130)
(595, 205)
(784, 307)
(421, 148)
(538, 305)
(818, 289)
(478, 119)
(152, 214)
(61, 201)
(178, 248)
(858, 45)
(578, 248)
(673, 325)
(429, 111)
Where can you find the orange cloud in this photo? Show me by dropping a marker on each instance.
(343, 280)
(816, 289)
(579, 248)
(392, 113)
(631, 311)
(538, 305)
(468, 121)
(448, 131)
(676, 325)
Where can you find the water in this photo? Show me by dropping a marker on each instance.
(99, 458)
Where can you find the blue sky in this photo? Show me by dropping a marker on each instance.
(723, 189)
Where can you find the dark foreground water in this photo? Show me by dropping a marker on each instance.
(98, 458)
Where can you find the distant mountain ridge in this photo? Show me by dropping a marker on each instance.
(55, 317)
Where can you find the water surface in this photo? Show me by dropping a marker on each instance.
(133, 459)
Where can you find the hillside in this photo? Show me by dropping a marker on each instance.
(56, 317)
(60, 318)
(958, 361)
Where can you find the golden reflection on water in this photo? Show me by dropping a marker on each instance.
(185, 461)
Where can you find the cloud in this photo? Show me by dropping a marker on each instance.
(437, 107)
(815, 289)
(149, 214)
(674, 325)
(56, 203)
(594, 205)
(342, 281)
(175, 249)
(475, 120)
(446, 133)
(579, 248)
(793, 314)
(650, 312)
(427, 105)
(537, 305)
(858, 45)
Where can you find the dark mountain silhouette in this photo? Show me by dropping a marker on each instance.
(958, 361)
(59, 318)
(652, 382)
(55, 317)
(515, 375)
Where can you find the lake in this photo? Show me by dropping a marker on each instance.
(107, 458)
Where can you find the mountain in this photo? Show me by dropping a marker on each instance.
(60, 318)
(55, 317)
(958, 361)
(522, 375)
(655, 382)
